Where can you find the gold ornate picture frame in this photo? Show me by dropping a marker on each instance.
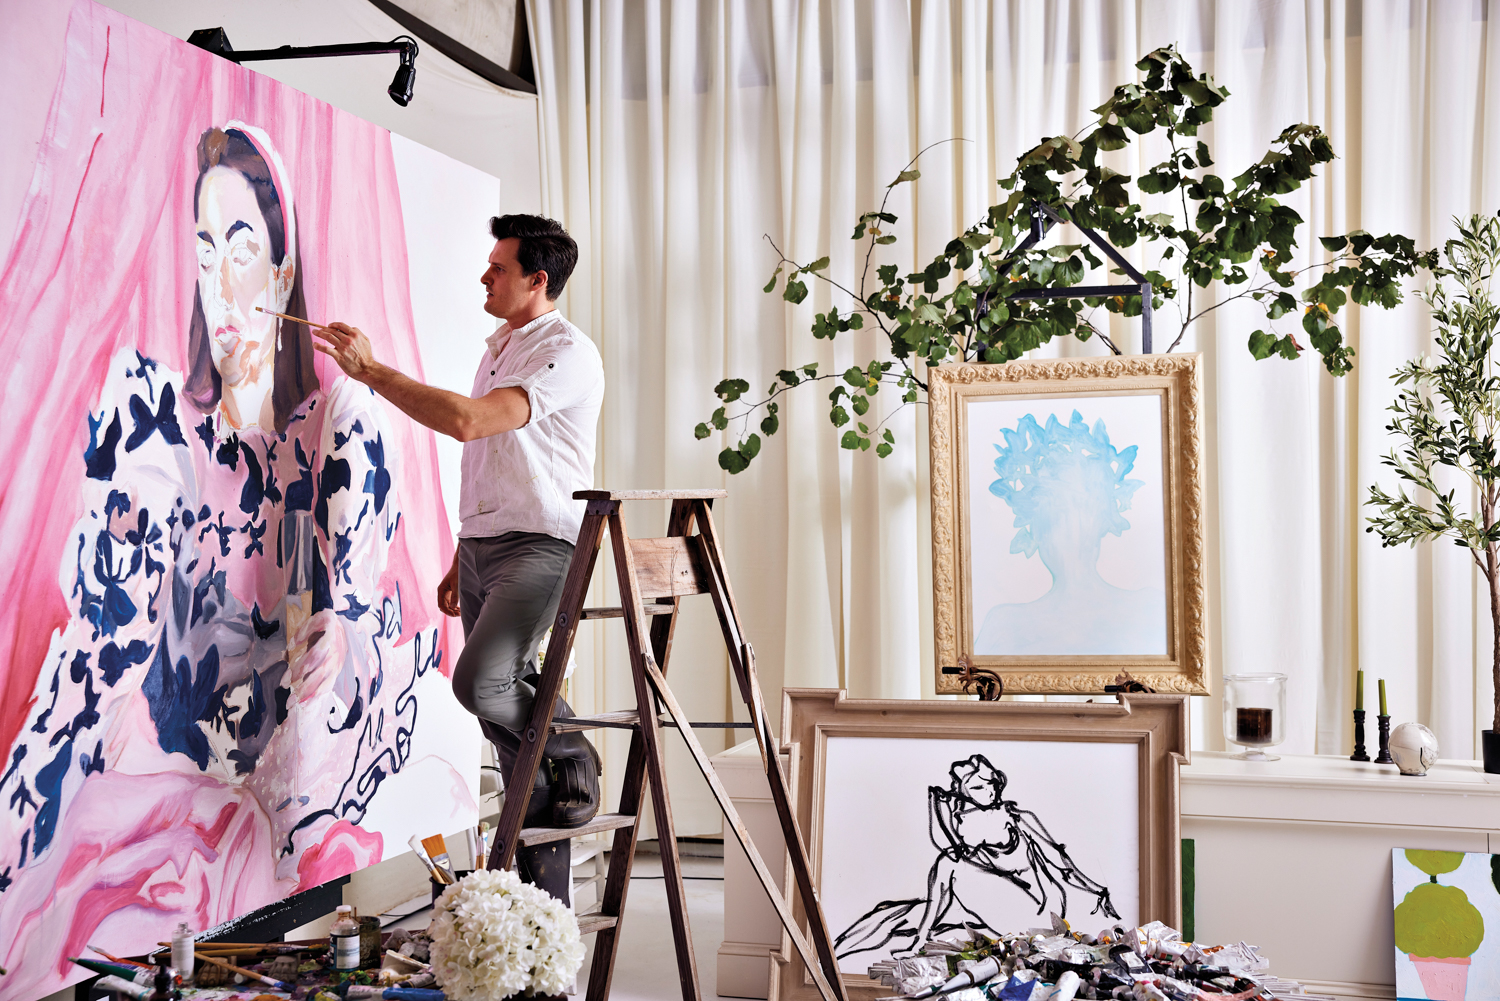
(1036, 807)
(1067, 523)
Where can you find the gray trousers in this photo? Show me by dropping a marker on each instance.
(509, 588)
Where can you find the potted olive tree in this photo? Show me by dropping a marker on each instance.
(1446, 416)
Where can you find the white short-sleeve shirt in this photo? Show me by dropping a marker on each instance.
(523, 480)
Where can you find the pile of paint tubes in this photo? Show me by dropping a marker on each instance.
(1150, 963)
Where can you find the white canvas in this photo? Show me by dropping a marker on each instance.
(1115, 606)
(878, 841)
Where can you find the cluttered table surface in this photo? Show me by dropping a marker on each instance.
(392, 966)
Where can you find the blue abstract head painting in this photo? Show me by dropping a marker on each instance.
(1066, 484)
(1068, 487)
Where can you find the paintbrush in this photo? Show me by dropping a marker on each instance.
(294, 319)
(251, 975)
(437, 850)
(122, 962)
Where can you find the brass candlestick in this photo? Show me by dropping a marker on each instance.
(1384, 757)
(1360, 754)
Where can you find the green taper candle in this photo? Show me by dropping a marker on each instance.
(1359, 689)
(1382, 698)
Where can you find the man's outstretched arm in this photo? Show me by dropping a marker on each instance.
(446, 412)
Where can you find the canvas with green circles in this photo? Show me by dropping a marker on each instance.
(1444, 903)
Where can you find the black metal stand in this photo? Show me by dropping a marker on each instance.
(1139, 285)
(1384, 757)
(1360, 754)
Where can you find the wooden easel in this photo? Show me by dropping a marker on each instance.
(654, 575)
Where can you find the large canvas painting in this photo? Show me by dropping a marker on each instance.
(1067, 540)
(982, 815)
(1447, 907)
(224, 672)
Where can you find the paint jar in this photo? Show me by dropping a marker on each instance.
(343, 940)
(1255, 713)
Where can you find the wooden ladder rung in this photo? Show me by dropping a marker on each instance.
(625, 719)
(617, 612)
(590, 923)
(629, 719)
(602, 822)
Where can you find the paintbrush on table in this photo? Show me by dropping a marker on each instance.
(252, 976)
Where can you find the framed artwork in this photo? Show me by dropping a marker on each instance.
(224, 677)
(926, 817)
(1445, 904)
(1067, 539)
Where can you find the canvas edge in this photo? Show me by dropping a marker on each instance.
(1188, 674)
(1160, 721)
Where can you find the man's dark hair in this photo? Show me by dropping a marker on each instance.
(545, 246)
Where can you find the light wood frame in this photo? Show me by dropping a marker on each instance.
(1176, 378)
(1156, 724)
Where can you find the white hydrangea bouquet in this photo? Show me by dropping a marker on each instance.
(494, 936)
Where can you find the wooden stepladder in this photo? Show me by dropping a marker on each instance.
(654, 575)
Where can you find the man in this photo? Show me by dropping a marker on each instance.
(528, 431)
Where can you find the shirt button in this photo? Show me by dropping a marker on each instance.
(492, 371)
(550, 365)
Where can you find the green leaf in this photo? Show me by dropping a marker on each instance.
(850, 439)
(719, 419)
(732, 461)
(883, 450)
(730, 390)
(751, 447)
(789, 377)
(910, 174)
(701, 431)
(1333, 244)
(885, 239)
(770, 425)
(811, 371)
(771, 285)
(887, 273)
(817, 265)
(1262, 345)
(838, 416)
(795, 291)
(861, 404)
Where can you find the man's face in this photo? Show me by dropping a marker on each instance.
(507, 290)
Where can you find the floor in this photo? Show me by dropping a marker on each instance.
(646, 964)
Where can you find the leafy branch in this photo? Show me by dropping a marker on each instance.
(981, 299)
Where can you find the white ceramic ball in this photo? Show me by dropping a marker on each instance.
(1414, 748)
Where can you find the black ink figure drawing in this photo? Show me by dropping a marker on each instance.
(974, 828)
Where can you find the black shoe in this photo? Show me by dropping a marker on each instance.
(575, 787)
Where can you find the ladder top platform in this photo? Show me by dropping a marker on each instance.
(649, 494)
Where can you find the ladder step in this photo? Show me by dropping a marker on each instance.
(616, 612)
(603, 822)
(628, 719)
(590, 923)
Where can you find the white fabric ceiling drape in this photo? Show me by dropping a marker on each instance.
(676, 135)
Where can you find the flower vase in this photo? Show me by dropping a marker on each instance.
(1444, 979)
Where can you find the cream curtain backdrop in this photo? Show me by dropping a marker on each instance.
(677, 136)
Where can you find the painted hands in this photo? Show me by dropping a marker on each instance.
(349, 347)
(447, 592)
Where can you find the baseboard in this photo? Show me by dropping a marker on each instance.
(1349, 989)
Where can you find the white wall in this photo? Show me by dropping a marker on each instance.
(452, 110)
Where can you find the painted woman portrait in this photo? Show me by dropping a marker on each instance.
(234, 682)
(986, 846)
(1069, 488)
